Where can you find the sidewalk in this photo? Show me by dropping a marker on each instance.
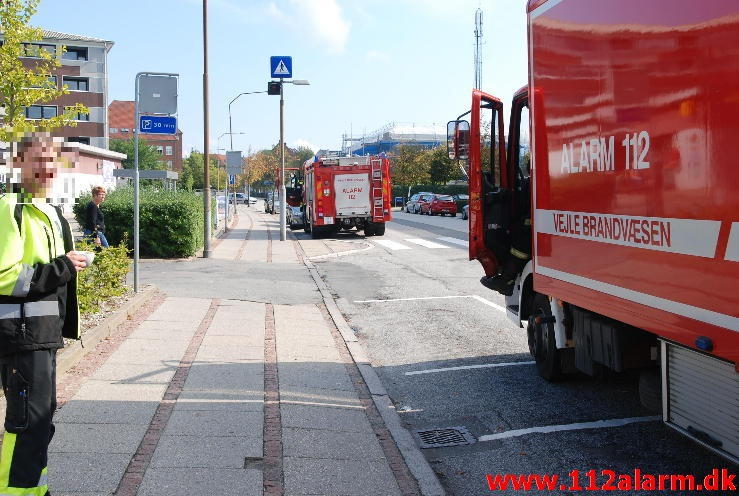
(212, 396)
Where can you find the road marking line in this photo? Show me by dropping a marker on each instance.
(489, 303)
(456, 241)
(598, 424)
(391, 244)
(426, 243)
(467, 367)
(413, 299)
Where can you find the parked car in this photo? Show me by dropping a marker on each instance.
(252, 200)
(424, 199)
(461, 200)
(466, 212)
(295, 217)
(240, 198)
(412, 206)
(438, 204)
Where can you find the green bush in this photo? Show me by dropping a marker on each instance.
(447, 189)
(104, 279)
(171, 222)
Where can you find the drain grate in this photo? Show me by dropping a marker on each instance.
(441, 438)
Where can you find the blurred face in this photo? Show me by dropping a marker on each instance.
(39, 165)
(99, 197)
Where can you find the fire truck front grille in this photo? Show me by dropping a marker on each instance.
(703, 398)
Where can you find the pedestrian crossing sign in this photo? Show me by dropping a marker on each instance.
(281, 66)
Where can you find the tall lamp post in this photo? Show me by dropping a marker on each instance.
(206, 143)
(230, 131)
(283, 208)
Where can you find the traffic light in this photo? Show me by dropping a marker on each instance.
(273, 87)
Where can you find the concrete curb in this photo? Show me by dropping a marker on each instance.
(428, 482)
(72, 354)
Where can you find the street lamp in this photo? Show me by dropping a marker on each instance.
(283, 208)
(230, 131)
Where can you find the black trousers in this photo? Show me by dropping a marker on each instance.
(29, 382)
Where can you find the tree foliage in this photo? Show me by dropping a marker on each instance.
(148, 155)
(193, 173)
(409, 166)
(22, 86)
(441, 168)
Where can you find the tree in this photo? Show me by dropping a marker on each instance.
(408, 166)
(148, 155)
(193, 175)
(21, 86)
(441, 168)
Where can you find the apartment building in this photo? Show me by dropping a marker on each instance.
(121, 116)
(84, 70)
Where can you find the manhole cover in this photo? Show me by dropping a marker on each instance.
(441, 438)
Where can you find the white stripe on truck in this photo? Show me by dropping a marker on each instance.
(685, 310)
(732, 250)
(684, 236)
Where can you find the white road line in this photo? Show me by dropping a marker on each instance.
(426, 243)
(489, 303)
(598, 424)
(456, 241)
(467, 367)
(413, 299)
(391, 244)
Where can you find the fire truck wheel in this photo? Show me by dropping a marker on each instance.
(369, 229)
(650, 390)
(316, 233)
(542, 342)
(380, 229)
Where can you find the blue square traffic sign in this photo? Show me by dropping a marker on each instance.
(281, 66)
(157, 124)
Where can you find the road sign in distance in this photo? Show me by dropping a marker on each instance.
(281, 66)
(234, 162)
(158, 94)
(273, 87)
(157, 124)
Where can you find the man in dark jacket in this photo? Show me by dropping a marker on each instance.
(94, 219)
(38, 305)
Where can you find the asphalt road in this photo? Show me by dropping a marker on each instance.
(434, 315)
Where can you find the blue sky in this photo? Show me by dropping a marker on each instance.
(369, 62)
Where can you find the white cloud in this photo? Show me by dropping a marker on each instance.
(304, 143)
(325, 21)
(376, 56)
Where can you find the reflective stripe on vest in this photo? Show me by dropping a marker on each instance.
(23, 284)
(31, 309)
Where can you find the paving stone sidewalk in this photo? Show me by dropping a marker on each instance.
(179, 407)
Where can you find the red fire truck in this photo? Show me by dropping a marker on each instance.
(347, 192)
(622, 154)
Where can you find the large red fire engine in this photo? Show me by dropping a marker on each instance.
(632, 109)
(347, 192)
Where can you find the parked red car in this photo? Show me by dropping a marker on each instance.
(438, 204)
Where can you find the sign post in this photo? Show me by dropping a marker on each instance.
(155, 93)
(233, 167)
(282, 67)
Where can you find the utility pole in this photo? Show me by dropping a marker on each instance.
(206, 141)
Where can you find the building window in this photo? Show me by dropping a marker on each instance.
(160, 150)
(41, 111)
(79, 139)
(113, 129)
(75, 53)
(169, 165)
(168, 150)
(76, 84)
(81, 116)
(124, 129)
(51, 79)
(32, 49)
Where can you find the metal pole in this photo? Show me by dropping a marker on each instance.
(136, 189)
(283, 210)
(206, 141)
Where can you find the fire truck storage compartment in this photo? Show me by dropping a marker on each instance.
(697, 383)
(600, 340)
(351, 195)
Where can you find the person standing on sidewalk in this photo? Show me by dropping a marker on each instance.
(94, 218)
(38, 305)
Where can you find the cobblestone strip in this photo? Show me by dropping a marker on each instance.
(269, 243)
(406, 482)
(136, 469)
(273, 473)
(242, 249)
(69, 383)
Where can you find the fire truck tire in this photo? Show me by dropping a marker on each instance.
(542, 342)
(650, 390)
(369, 229)
(380, 229)
(316, 233)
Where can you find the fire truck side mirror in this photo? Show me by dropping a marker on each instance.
(458, 140)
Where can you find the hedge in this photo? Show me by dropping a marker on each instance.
(171, 222)
(104, 279)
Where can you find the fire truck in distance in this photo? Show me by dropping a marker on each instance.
(346, 192)
(621, 162)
